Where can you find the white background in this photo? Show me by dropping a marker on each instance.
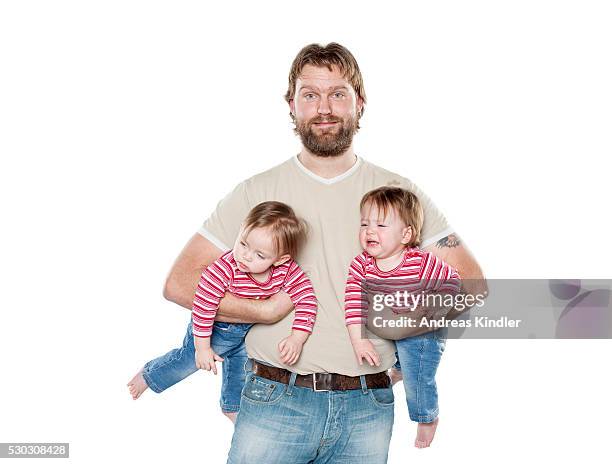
(122, 123)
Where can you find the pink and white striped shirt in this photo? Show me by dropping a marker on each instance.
(419, 271)
(224, 276)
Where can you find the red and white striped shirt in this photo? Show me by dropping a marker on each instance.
(419, 271)
(224, 276)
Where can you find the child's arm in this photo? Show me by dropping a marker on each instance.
(299, 288)
(212, 286)
(355, 315)
(438, 276)
(355, 299)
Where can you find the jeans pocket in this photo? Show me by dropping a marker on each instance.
(259, 390)
(382, 397)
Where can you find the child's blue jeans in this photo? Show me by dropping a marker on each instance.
(227, 341)
(418, 358)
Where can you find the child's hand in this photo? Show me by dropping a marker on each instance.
(364, 349)
(205, 359)
(290, 348)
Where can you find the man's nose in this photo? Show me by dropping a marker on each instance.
(324, 106)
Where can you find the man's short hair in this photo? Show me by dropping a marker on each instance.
(406, 206)
(332, 54)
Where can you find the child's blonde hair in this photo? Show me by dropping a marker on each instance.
(405, 203)
(288, 231)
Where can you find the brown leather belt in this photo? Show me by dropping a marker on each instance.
(321, 381)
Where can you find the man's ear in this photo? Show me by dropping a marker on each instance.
(359, 106)
(292, 107)
(282, 260)
(406, 235)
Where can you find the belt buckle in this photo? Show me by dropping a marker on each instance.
(314, 381)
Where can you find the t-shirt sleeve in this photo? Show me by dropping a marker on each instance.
(435, 225)
(222, 226)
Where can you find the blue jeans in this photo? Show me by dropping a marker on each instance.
(281, 423)
(227, 341)
(419, 358)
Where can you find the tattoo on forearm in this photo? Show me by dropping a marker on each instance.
(450, 241)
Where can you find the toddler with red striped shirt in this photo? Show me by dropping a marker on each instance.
(259, 265)
(391, 223)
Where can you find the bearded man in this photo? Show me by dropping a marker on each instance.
(326, 407)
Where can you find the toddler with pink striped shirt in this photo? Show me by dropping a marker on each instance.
(259, 265)
(391, 223)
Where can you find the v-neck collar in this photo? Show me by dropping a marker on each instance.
(323, 180)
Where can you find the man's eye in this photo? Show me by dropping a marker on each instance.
(309, 96)
(338, 95)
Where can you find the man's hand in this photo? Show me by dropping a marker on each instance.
(205, 357)
(364, 349)
(290, 348)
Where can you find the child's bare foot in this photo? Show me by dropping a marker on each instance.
(395, 375)
(137, 385)
(425, 434)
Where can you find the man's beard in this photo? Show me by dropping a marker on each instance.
(329, 143)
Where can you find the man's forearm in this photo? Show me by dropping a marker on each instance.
(237, 310)
(182, 291)
(184, 276)
(455, 253)
(244, 310)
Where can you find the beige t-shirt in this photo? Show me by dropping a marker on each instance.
(331, 208)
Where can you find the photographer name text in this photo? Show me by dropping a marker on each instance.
(478, 322)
